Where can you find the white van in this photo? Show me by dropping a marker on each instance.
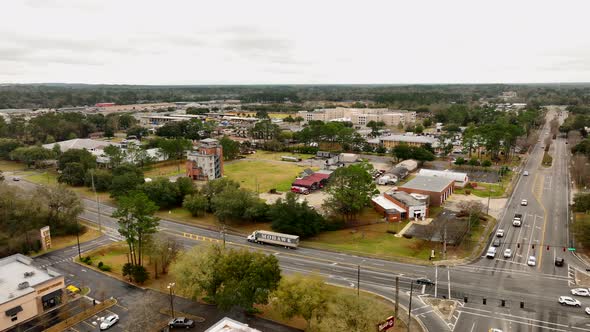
(491, 252)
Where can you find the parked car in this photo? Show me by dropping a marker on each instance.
(424, 281)
(109, 321)
(181, 322)
(566, 300)
(15, 178)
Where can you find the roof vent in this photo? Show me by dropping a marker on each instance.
(23, 285)
(29, 274)
(11, 295)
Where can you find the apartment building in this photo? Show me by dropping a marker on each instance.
(205, 161)
(360, 116)
(27, 291)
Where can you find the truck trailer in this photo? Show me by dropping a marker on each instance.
(279, 239)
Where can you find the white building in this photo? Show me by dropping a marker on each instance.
(360, 116)
(461, 179)
(227, 324)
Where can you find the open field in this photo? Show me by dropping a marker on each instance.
(50, 178)
(9, 166)
(166, 169)
(261, 176)
(269, 155)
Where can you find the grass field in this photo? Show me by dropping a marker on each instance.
(209, 221)
(165, 169)
(50, 178)
(261, 176)
(372, 240)
(269, 155)
(59, 242)
(9, 166)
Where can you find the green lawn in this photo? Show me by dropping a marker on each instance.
(50, 178)
(165, 169)
(269, 155)
(373, 240)
(9, 166)
(264, 174)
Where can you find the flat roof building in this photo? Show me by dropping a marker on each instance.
(27, 291)
(460, 179)
(437, 188)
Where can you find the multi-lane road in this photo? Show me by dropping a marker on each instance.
(503, 284)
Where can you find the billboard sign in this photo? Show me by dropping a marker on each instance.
(45, 238)
(386, 325)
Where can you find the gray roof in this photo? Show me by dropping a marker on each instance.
(428, 183)
(405, 198)
(12, 274)
(408, 139)
(457, 176)
(79, 143)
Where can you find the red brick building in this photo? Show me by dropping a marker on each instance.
(437, 188)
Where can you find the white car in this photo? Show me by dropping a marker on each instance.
(109, 321)
(525, 173)
(508, 253)
(581, 292)
(587, 310)
(495, 330)
(566, 300)
(532, 261)
(500, 233)
(524, 202)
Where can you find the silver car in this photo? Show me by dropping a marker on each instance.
(109, 321)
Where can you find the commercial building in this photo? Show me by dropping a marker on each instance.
(359, 116)
(391, 141)
(461, 179)
(227, 324)
(205, 161)
(437, 188)
(398, 205)
(27, 291)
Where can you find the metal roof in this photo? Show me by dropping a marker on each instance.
(428, 183)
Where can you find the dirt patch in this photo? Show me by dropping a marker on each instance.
(445, 308)
(582, 278)
(496, 204)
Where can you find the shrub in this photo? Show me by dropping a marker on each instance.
(104, 267)
(391, 231)
(87, 260)
(407, 236)
(486, 163)
(100, 264)
(467, 191)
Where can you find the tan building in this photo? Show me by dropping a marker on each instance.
(360, 116)
(392, 140)
(27, 291)
(205, 162)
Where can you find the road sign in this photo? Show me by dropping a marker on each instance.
(386, 325)
(571, 249)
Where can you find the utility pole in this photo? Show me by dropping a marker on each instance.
(223, 234)
(396, 296)
(489, 196)
(410, 305)
(358, 281)
(170, 286)
(78, 239)
(445, 243)
(97, 202)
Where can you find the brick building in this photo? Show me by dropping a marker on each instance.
(398, 205)
(205, 161)
(437, 188)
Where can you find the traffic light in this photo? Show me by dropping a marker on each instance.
(533, 246)
(518, 245)
(547, 248)
(563, 249)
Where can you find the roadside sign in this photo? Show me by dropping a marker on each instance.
(571, 249)
(386, 325)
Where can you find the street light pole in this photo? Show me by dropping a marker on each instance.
(78, 239)
(97, 203)
(170, 286)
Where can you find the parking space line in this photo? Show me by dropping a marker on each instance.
(92, 326)
(122, 307)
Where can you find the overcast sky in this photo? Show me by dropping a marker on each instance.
(305, 42)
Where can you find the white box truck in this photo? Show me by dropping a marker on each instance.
(279, 239)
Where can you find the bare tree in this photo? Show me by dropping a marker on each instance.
(580, 169)
(162, 250)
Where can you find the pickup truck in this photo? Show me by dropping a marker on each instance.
(181, 322)
(517, 221)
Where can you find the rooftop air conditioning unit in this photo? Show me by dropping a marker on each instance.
(23, 285)
(29, 274)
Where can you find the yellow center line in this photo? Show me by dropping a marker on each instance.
(538, 198)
